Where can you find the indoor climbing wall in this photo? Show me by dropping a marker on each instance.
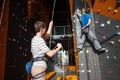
(4, 9)
(110, 8)
(18, 41)
(107, 29)
(108, 33)
(88, 63)
(20, 33)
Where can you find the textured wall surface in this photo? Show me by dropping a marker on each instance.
(107, 30)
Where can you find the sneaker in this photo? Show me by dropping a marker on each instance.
(102, 50)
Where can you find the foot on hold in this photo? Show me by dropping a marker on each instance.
(102, 50)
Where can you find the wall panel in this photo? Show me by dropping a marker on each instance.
(103, 7)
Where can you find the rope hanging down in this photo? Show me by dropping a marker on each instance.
(53, 9)
(63, 63)
(52, 19)
(1, 16)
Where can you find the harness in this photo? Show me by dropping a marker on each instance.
(45, 58)
(30, 63)
(39, 75)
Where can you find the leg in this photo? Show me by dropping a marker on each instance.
(94, 40)
(96, 44)
(38, 73)
(39, 76)
(81, 41)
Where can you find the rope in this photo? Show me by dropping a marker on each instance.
(53, 9)
(85, 4)
(63, 64)
(3, 6)
(52, 19)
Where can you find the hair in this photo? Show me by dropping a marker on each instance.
(39, 25)
(88, 11)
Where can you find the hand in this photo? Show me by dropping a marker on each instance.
(51, 23)
(79, 14)
(59, 45)
(83, 28)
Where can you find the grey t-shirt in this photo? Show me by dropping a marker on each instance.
(38, 49)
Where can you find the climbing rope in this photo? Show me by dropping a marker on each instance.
(3, 6)
(63, 64)
(52, 19)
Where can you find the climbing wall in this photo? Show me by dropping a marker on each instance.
(18, 41)
(107, 29)
(88, 61)
(108, 33)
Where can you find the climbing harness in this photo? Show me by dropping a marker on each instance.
(30, 63)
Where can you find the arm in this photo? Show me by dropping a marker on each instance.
(47, 35)
(54, 51)
(79, 14)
